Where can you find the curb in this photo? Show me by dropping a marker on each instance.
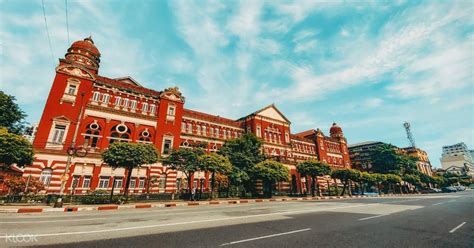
(185, 204)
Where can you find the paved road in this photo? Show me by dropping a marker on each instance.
(440, 220)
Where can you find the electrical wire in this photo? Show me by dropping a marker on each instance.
(47, 31)
(67, 23)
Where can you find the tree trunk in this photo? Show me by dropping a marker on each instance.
(329, 188)
(378, 188)
(336, 187)
(318, 190)
(349, 189)
(362, 187)
(344, 187)
(127, 185)
(212, 185)
(190, 185)
(312, 186)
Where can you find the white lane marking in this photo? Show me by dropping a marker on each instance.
(47, 221)
(371, 217)
(439, 203)
(456, 228)
(265, 237)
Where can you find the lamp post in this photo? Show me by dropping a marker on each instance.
(71, 152)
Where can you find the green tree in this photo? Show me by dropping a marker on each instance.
(367, 178)
(214, 163)
(392, 180)
(384, 159)
(270, 172)
(346, 175)
(412, 179)
(11, 116)
(185, 160)
(243, 153)
(313, 169)
(14, 149)
(129, 156)
(379, 179)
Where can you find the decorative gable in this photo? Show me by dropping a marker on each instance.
(128, 80)
(273, 113)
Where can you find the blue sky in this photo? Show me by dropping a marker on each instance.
(367, 65)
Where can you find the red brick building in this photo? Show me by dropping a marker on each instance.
(93, 111)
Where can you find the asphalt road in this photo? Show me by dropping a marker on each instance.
(438, 220)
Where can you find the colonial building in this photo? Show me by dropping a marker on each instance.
(423, 163)
(87, 111)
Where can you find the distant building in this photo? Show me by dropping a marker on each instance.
(360, 154)
(423, 163)
(30, 133)
(457, 158)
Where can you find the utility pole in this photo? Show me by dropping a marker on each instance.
(71, 152)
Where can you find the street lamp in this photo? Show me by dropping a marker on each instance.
(71, 152)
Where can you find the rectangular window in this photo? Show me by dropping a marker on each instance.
(118, 183)
(171, 110)
(178, 184)
(125, 102)
(259, 132)
(211, 131)
(133, 182)
(59, 134)
(190, 128)
(96, 96)
(75, 182)
(224, 134)
(183, 127)
(106, 98)
(144, 107)
(72, 89)
(133, 104)
(152, 109)
(167, 145)
(198, 130)
(162, 182)
(87, 182)
(118, 100)
(204, 130)
(218, 132)
(103, 182)
(141, 185)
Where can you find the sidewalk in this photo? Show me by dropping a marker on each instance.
(76, 208)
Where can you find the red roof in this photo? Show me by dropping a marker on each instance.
(305, 133)
(300, 138)
(124, 85)
(335, 129)
(87, 44)
(211, 118)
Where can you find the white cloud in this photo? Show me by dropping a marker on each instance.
(373, 102)
(344, 32)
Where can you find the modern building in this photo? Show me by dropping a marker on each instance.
(457, 158)
(88, 111)
(360, 154)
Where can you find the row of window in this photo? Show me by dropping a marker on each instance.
(272, 135)
(303, 148)
(213, 132)
(124, 102)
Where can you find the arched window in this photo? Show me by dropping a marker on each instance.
(92, 135)
(145, 136)
(45, 176)
(120, 133)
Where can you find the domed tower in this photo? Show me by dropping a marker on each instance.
(85, 53)
(336, 131)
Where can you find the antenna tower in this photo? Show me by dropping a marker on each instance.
(409, 134)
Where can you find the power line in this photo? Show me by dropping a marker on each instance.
(47, 31)
(67, 23)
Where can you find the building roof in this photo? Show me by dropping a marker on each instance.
(364, 143)
(300, 138)
(265, 108)
(127, 85)
(211, 118)
(305, 133)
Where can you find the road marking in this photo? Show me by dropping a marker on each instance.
(46, 221)
(266, 237)
(456, 228)
(439, 203)
(371, 217)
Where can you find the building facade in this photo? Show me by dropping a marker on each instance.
(457, 158)
(88, 111)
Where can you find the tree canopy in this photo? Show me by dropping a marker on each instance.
(185, 160)
(313, 169)
(11, 116)
(271, 171)
(14, 149)
(129, 156)
(214, 163)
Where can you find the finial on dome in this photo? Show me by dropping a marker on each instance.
(89, 39)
